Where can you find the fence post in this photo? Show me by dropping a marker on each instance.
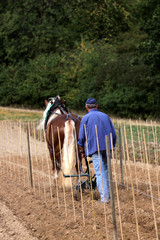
(111, 188)
(29, 158)
(120, 155)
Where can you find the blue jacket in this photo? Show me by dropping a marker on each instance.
(104, 127)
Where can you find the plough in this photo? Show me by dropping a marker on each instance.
(88, 183)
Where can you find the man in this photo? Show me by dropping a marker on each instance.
(96, 124)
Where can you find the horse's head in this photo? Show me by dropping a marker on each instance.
(48, 104)
(52, 100)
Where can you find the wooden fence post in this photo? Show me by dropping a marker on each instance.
(120, 155)
(111, 188)
(29, 158)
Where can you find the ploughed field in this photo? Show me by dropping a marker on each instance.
(46, 211)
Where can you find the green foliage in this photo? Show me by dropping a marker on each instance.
(29, 28)
(150, 49)
(109, 50)
(29, 84)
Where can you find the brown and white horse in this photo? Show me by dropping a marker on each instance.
(62, 129)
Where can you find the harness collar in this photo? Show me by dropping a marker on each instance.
(57, 104)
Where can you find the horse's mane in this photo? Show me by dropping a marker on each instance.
(42, 121)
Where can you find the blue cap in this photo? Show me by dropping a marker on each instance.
(91, 102)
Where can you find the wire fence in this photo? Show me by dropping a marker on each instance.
(135, 168)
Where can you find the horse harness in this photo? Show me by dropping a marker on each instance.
(70, 115)
(57, 104)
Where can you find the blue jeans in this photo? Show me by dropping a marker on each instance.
(101, 175)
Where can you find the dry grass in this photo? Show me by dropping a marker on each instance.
(19, 114)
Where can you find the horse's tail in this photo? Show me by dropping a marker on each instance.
(69, 151)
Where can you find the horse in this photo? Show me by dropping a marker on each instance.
(62, 130)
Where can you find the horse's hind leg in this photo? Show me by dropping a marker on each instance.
(54, 165)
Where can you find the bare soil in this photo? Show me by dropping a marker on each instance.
(47, 212)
